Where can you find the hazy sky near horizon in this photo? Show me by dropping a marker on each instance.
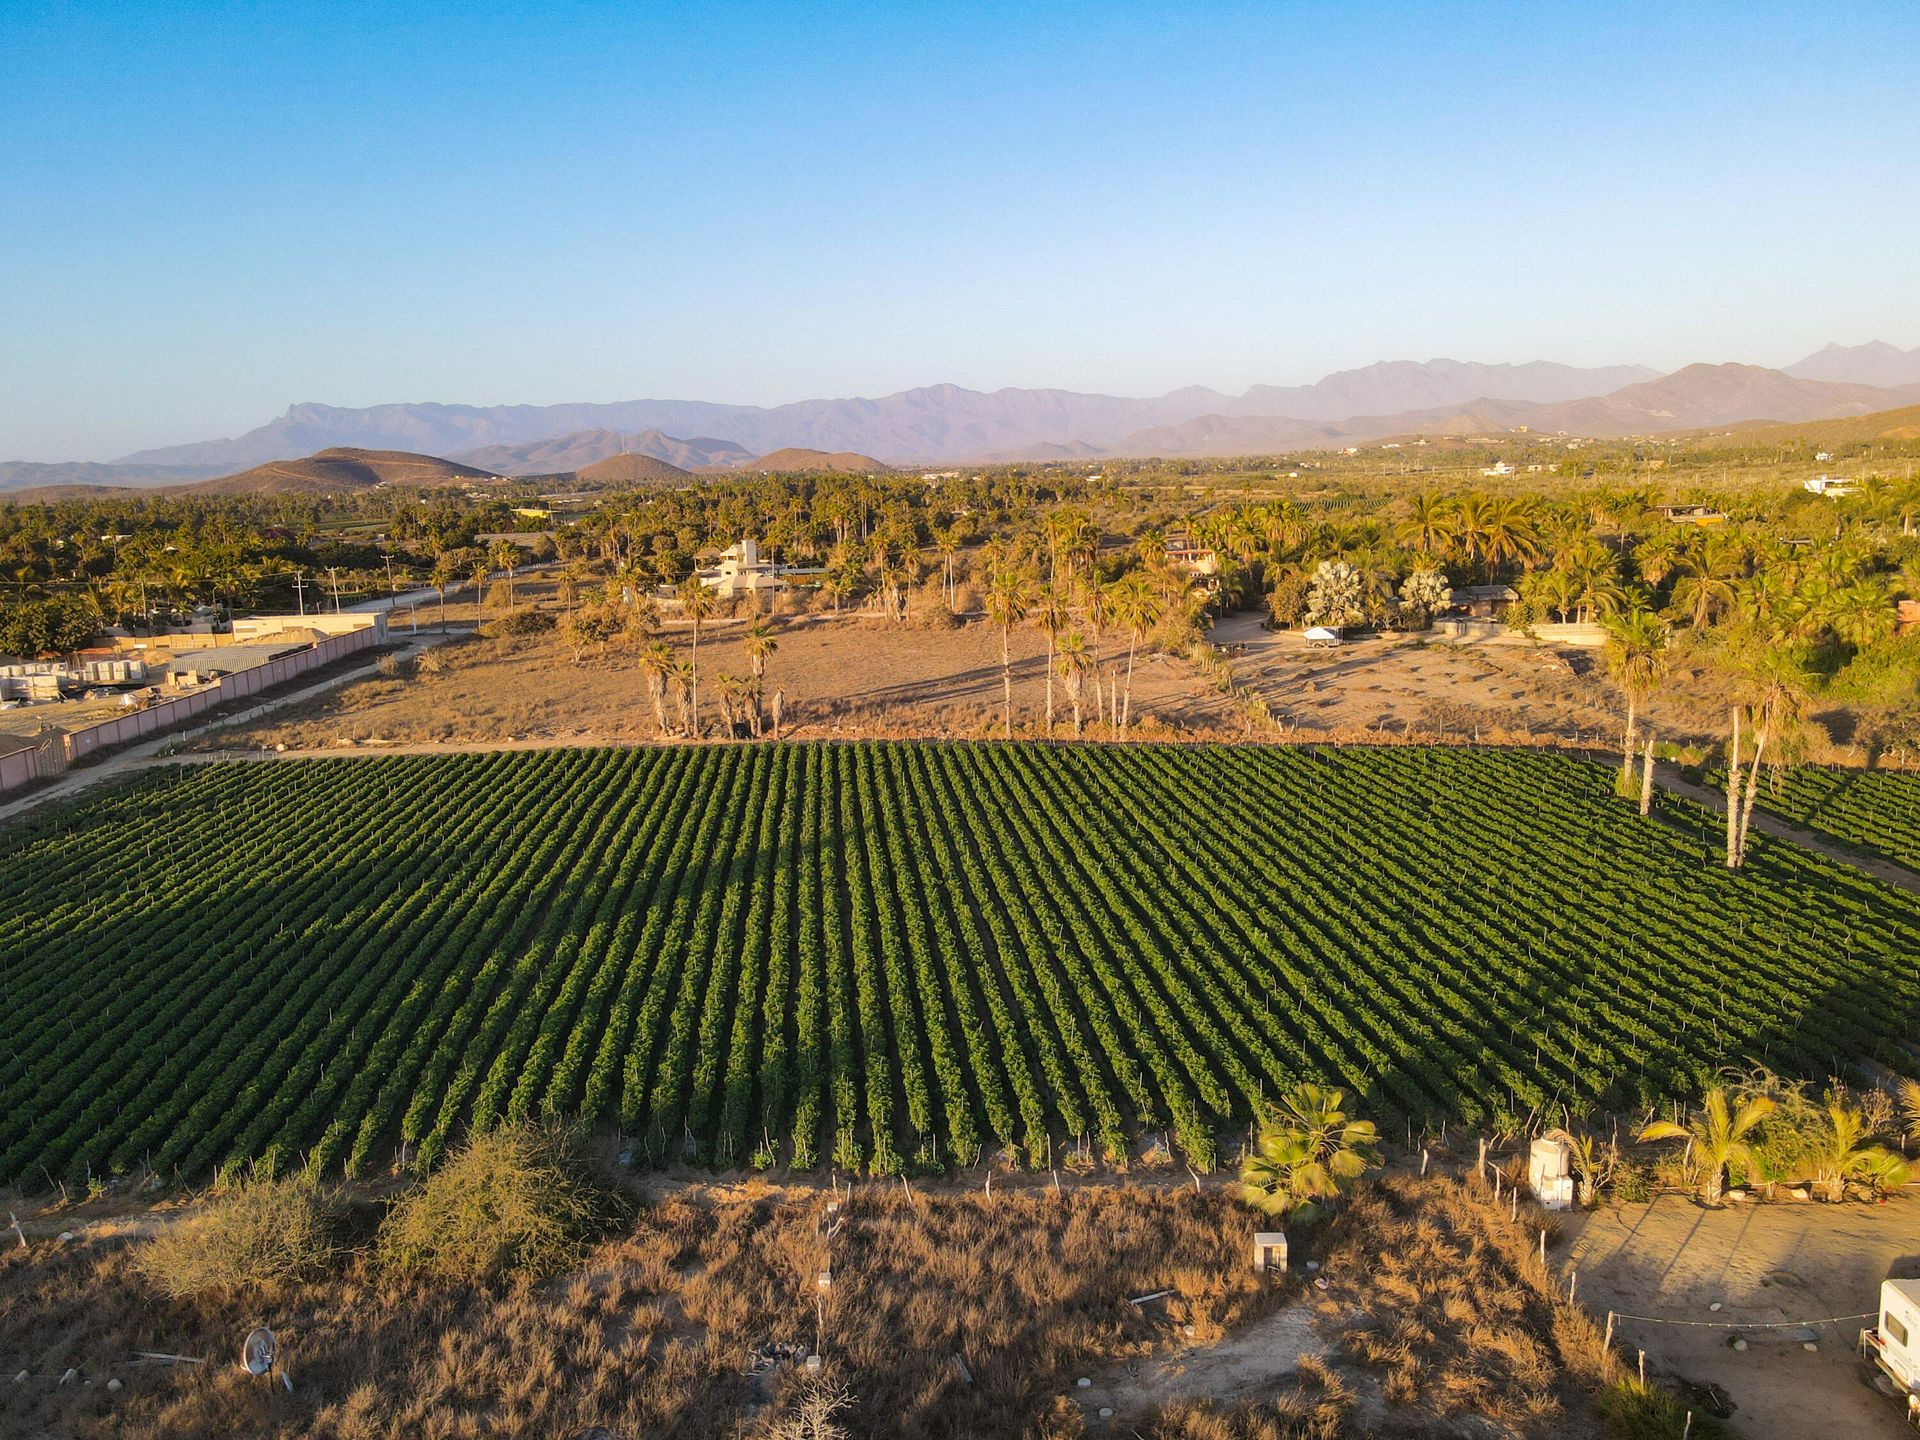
(211, 210)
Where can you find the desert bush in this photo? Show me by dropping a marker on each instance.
(519, 1200)
(519, 623)
(259, 1231)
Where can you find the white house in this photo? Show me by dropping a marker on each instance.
(740, 569)
(1833, 487)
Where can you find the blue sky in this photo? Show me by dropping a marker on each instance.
(209, 211)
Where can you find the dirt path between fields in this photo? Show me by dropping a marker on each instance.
(1889, 872)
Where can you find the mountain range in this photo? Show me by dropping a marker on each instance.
(950, 423)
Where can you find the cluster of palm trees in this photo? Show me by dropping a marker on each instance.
(673, 683)
(1770, 1132)
(1058, 587)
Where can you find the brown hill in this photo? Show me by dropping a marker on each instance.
(331, 471)
(797, 458)
(1887, 425)
(630, 470)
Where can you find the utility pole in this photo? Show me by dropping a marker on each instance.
(333, 574)
(300, 592)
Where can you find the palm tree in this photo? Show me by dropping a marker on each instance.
(1097, 606)
(1636, 653)
(1716, 1135)
(1310, 1152)
(442, 579)
(482, 574)
(1009, 596)
(1051, 614)
(946, 544)
(1136, 606)
(759, 642)
(505, 555)
(1911, 1110)
(1073, 659)
(1708, 583)
(697, 602)
(1429, 529)
(1510, 534)
(656, 662)
(1843, 1152)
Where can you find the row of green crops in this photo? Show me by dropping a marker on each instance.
(1875, 810)
(887, 956)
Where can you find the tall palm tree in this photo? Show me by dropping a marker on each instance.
(1716, 1135)
(1052, 614)
(1309, 1153)
(697, 602)
(1072, 660)
(505, 555)
(657, 663)
(1636, 652)
(442, 580)
(480, 578)
(1009, 597)
(1138, 608)
(760, 642)
(1510, 534)
(946, 544)
(1097, 605)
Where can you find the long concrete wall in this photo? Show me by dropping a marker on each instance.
(23, 767)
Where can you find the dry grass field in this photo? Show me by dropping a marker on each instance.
(950, 1312)
(860, 675)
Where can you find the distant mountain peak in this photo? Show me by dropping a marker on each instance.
(1874, 363)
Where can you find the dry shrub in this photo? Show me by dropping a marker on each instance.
(1318, 1406)
(517, 1200)
(260, 1231)
(1447, 1301)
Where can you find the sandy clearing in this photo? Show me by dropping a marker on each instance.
(1763, 1264)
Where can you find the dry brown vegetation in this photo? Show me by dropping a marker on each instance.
(516, 1200)
(946, 1314)
(262, 1229)
(657, 1333)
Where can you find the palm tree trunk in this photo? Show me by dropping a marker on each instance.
(1006, 682)
(1626, 750)
(1050, 643)
(1646, 779)
(1753, 790)
(693, 727)
(1126, 710)
(1733, 795)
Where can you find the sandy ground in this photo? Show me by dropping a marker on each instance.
(1763, 1264)
(859, 674)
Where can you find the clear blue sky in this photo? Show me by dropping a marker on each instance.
(208, 211)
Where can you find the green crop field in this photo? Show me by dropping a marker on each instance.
(1875, 810)
(889, 955)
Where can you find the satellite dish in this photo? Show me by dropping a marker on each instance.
(258, 1351)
